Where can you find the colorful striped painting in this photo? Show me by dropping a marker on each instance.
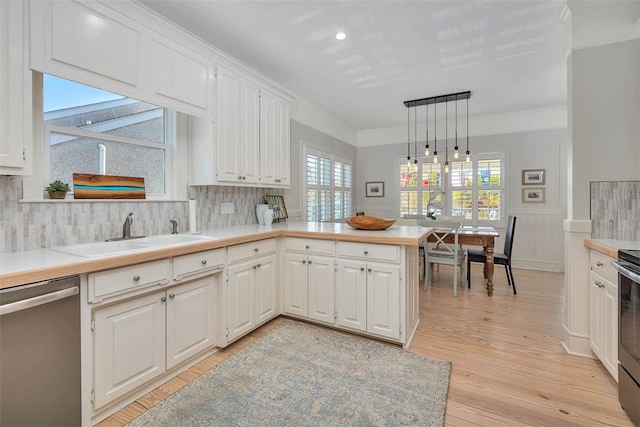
(89, 186)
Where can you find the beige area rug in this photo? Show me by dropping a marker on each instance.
(302, 375)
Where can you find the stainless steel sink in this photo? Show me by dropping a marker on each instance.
(115, 247)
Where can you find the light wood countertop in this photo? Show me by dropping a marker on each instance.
(610, 247)
(18, 268)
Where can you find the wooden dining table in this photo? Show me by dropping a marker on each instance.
(477, 236)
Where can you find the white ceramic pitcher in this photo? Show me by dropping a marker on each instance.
(267, 217)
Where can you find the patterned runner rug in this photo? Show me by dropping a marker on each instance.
(302, 375)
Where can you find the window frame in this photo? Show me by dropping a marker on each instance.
(347, 204)
(448, 187)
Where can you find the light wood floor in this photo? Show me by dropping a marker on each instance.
(509, 368)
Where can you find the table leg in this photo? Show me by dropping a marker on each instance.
(489, 270)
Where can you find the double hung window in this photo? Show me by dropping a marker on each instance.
(328, 181)
(92, 131)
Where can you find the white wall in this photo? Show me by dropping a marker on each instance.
(539, 240)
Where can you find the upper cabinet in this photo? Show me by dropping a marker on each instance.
(91, 43)
(249, 143)
(15, 90)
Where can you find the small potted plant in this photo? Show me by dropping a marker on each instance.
(57, 189)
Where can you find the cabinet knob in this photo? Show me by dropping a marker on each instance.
(136, 278)
(310, 261)
(306, 246)
(163, 299)
(599, 264)
(361, 268)
(255, 249)
(369, 269)
(366, 252)
(599, 284)
(259, 265)
(254, 267)
(172, 296)
(203, 262)
(239, 177)
(304, 261)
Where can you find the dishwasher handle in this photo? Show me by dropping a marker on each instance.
(39, 300)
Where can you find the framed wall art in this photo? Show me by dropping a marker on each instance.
(533, 177)
(533, 195)
(375, 189)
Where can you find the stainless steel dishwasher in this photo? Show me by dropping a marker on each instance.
(40, 354)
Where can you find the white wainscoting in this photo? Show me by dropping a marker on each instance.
(539, 241)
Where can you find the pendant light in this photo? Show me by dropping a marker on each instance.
(455, 149)
(468, 153)
(426, 147)
(446, 136)
(415, 136)
(408, 139)
(435, 133)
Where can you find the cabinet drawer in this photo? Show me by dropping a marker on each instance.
(197, 264)
(601, 264)
(369, 251)
(128, 279)
(247, 250)
(310, 246)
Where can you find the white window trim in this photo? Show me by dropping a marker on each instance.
(448, 188)
(312, 149)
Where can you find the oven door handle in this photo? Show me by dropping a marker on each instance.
(620, 266)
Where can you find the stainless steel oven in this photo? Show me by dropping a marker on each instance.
(628, 266)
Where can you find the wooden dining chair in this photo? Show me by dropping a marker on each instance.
(504, 258)
(444, 250)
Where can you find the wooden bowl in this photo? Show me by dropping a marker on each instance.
(366, 222)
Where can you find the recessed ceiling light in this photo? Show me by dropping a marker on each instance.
(340, 35)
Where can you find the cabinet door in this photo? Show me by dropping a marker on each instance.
(190, 319)
(128, 346)
(296, 294)
(321, 274)
(266, 295)
(228, 124)
(596, 314)
(249, 148)
(351, 295)
(274, 139)
(383, 300)
(240, 304)
(610, 328)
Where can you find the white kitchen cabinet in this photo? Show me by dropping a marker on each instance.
(128, 346)
(603, 311)
(309, 279)
(274, 140)
(251, 290)
(368, 292)
(15, 90)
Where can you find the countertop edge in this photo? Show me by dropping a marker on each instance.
(601, 247)
(80, 265)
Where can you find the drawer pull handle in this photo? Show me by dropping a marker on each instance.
(361, 268)
(599, 264)
(306, 246)
(310, 261)
(254, 267)
(599, 284)
(203, 262)
(366, 252)
(136, 278)
(255, 249)
(163, 299)
(369, 269)
(304, 261)
(259, 265)
(172, 296)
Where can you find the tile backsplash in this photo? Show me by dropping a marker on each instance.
(615, 210)
(33, 225)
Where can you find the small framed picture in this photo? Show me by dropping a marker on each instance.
(533, 177)
(533, 195)
(375, 189)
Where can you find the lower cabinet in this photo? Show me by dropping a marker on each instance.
(309, 283)
(251, 297)
(368, 297)
(603, 311)
(138, 339)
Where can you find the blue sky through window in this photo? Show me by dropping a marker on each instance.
(60, 93)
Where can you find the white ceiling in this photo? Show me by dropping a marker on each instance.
(509, 54)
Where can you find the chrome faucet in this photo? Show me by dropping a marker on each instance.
(126, 227)
(174, 226)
